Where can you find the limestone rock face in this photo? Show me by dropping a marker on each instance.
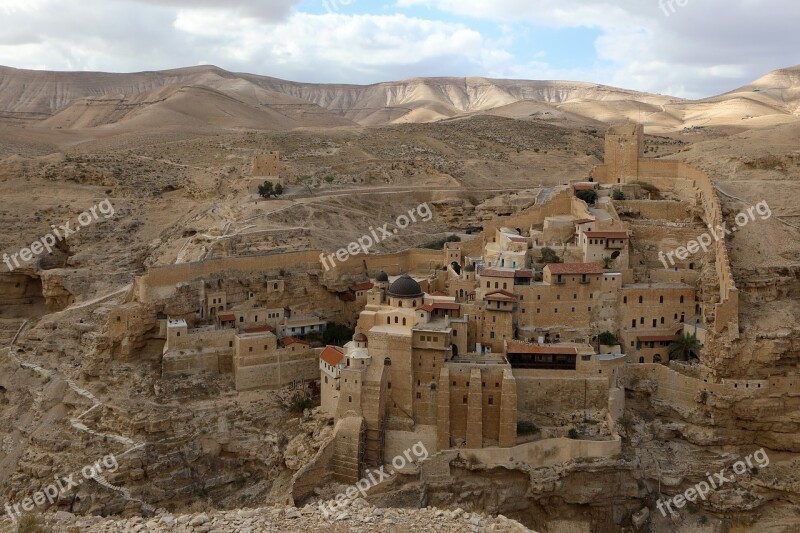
(360, 516)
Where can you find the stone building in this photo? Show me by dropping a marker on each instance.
(266, 167)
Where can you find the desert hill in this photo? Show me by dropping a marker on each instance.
(210, 96)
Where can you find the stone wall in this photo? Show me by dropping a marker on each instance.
(276, 369)
(558, 396)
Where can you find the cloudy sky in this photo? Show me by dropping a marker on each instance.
(690, 48)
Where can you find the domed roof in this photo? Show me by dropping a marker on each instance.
(360, 338)
(405, 287)
(382, 276)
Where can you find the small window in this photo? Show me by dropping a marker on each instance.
(465, 399)
(491, 400)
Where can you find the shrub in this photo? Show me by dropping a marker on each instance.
(608, 339)
(265, 190)
(526, 428)
(590, 197)
(618, 195)
(337, 334)
(300, 403)
(31, 523)
(549, 256)
(438, 244)
(648, 187)
(573, 433)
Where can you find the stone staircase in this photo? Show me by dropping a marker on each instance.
(348, 450)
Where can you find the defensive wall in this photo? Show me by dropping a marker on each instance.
(696, 188)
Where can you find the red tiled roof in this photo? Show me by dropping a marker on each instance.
(491, 273)
(259, 329)
(346, 297)
(288, 341)
(227, 318)
(439, 293)
(426, 307)
(331, 355)
(575, 268)
(608, 234)
(367, 285)
(656, 338)
(584, 186)
(522, 347)
(502, 296)
(584, 221)
(449, 306)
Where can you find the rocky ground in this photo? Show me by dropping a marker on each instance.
(360, 517)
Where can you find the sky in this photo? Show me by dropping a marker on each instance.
(686, 48)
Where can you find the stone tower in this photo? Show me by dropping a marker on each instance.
(624, 149)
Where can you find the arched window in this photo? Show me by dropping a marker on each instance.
(404, 321)
(388, 320)
(396, 320)
(641, 359)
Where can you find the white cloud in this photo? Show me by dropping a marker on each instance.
(701, 49)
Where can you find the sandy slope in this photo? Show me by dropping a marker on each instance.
(212, 96)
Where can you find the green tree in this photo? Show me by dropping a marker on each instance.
(278, 190)
(684, 347)
(608, 262)
(549, 256)
(265, 189)
(618, 195)
(608, 339)
(590, 196)
(337, 334)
